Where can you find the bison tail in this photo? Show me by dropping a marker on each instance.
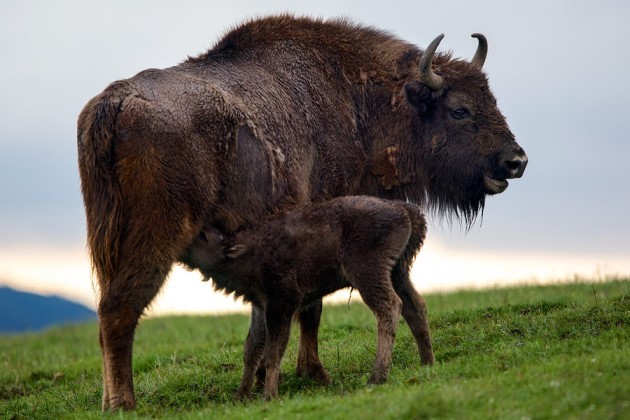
(102, 194)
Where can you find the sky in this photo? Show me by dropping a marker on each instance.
(559, 71)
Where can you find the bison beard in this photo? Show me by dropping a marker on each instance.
(282, 111)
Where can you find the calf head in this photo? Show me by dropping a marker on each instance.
(210, 248)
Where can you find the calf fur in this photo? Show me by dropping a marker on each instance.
(291, 260)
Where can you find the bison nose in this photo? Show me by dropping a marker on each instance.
(515, 164)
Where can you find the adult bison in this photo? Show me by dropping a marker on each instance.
(281, 111)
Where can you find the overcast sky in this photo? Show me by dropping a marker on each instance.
(559, 70)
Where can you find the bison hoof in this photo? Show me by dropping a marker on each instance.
(315, 372)
(119, 404)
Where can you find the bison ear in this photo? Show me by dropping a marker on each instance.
(235, 251)
(418, 94)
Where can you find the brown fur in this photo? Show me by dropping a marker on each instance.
(292, 259)
(282, 111)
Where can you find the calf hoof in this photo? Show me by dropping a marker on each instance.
(377, 379)
(427, 359)
(242, 395)
(315, 372)
(270, 396)
(260, 379)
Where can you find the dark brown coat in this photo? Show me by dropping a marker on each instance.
(282, 111)
(293, 259)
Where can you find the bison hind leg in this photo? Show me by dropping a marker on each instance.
(121, 304)
(145, 259)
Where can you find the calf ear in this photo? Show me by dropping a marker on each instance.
(419, 95)
(235, 251)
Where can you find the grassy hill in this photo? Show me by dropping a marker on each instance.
(526, 352)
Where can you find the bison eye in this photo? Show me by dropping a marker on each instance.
(459, 113)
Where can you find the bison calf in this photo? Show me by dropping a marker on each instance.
(286, 262)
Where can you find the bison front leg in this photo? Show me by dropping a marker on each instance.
(308, 363)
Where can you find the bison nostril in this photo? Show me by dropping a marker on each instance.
(513, 164)
(516, 166)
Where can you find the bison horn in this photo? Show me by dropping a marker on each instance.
(432, 80)
(482, 51)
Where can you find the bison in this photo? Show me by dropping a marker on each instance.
(281, 111)
(292, 259)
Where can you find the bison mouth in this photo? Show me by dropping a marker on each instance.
(494, 186)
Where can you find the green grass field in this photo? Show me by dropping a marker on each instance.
(527, 352)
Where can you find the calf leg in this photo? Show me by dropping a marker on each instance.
(414, 311)
(380, 297)
(254, 346)
(308, 360)
(278, 325)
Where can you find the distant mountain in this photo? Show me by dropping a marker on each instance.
(22, 311)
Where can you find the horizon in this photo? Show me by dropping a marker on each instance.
(436, 270)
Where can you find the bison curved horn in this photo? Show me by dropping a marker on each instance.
(482, 51)
(432, 80)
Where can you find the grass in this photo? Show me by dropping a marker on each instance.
(526, 352)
